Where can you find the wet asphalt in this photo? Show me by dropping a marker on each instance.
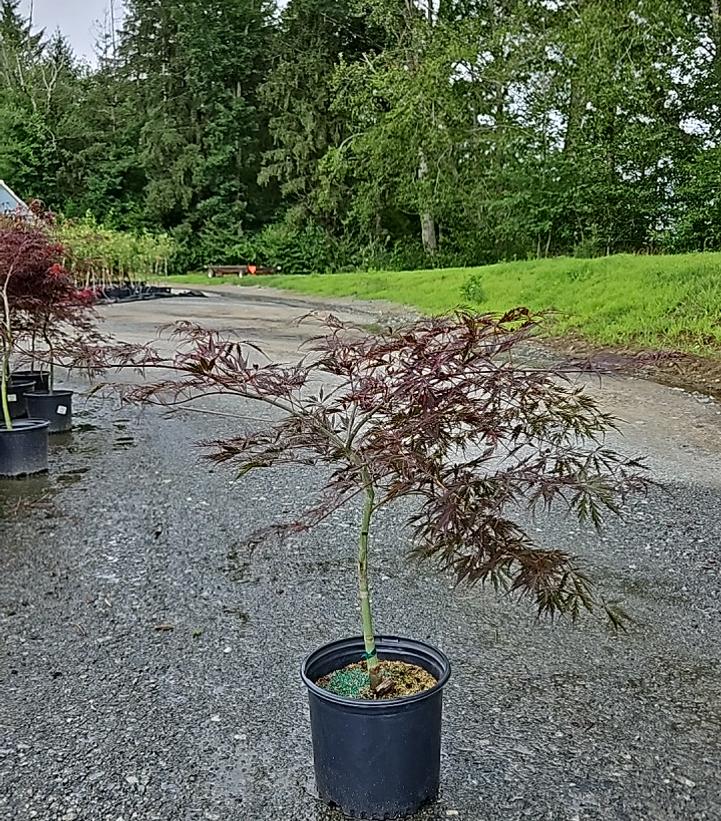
(149, 657)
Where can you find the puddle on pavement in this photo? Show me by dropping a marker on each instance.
(71, 477)
(84, 427)
(19, 494)
(58, 441)
(74, 442)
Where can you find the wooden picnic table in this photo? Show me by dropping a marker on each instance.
(239, 270)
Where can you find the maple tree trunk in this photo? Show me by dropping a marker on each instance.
(369, 640)
(5, 364)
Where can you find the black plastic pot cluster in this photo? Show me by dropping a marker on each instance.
(36, 412)
(131, 293)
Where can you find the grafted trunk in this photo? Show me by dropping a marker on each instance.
(369, 639)
(6, 340)
(4, 377)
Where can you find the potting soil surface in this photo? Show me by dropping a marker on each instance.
(151, 647)
(398, 679)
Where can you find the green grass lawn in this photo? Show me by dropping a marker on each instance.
(634, 301)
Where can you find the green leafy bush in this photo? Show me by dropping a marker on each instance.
(95, 253)
(297, 251)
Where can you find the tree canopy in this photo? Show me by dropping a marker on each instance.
(369, 133)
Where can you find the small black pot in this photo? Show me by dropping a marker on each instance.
(24, 449)
(56, 407)
(376, 759)
(17, 388)
(40, 378)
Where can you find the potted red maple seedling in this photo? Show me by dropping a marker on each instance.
(59, 318)
(444, 415)
(41, 309)
(27, 253)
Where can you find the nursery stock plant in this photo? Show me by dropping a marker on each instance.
(60, 317)
(443, 411)
(40, 303)
(29, 271)
(98, 256)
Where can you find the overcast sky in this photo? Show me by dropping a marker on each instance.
(79, 20)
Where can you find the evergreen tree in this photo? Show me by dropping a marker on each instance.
(193, 68)
(314, 38)
(104, 175)
(407, 132)
(22, 143)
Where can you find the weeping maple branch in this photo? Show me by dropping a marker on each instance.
(444, 411)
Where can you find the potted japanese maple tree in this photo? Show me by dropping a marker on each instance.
(27, 253)
(445, 415)
(61, 317)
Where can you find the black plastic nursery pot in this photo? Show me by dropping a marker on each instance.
(376, 759)
(24, 449)
(16, 389)
(40, 378)
(56, 407)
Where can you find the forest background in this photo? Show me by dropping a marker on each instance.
(384, 134)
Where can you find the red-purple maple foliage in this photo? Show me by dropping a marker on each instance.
(27, 255)
(445, 411)
(41, 303)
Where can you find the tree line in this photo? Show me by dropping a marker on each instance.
(331, 134)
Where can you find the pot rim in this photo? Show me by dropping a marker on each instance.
(24, 425)
(367, 704)
(60, 392)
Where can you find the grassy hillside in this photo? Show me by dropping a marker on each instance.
(639, 301)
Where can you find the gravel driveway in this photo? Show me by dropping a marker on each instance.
(149, 659)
